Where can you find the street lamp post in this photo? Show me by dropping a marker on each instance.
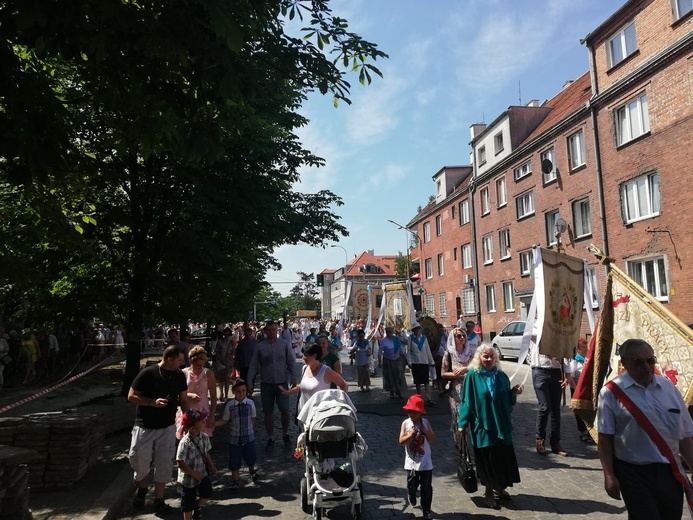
(346, 262)
(406, 239)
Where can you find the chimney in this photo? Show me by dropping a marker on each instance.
(476, 129)
(533, 103)
(567, 84)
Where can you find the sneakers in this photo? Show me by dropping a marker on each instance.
(286, 439)
(254, 475)
(541, 449)
(140, 495)
(586, 438)
(234, 487)
(162, 508)
(556, 448)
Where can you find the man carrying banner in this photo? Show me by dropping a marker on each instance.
(643, 425)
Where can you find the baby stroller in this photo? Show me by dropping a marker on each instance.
(331, 447)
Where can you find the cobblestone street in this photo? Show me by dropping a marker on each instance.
(570, 486)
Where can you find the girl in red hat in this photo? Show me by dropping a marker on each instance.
(417, 436)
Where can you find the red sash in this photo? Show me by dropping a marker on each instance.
(655, 436)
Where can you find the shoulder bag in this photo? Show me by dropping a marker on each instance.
(465, 469)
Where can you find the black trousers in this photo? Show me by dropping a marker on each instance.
(650, 491)
(547, 386)
(424, 479)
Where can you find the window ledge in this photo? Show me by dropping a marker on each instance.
(682, 19)
(486, 213)
(524, 275)
(526, 216)
(505, 258)
(628, 58)
(577, 169)
(503, 205)
(499, 151)
(518, 179)
(634, 140)
(583, 237)
(550, 181)
(640, 219)
(509, 310)
(489, 262)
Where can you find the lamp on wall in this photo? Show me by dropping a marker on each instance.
(561, 226)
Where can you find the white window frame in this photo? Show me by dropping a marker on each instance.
(576, 150)
(490, 291)
(526, 203)
(485, 200)
(523, 171)
(482, 155)
(467, 256)
(468, 301)
(498, 143)
(501, 193)
(441, 264)
(427, 232)
(551, 156)
(439, 225)
(582, 218)
(620, 40)
(508, 297)
(637, 269)
(550, 218)
(677, 7)
(504, 243)
(428, 267)
(645, 187)
(431, 303)
(487, 248)
(464, 212)
(632, 119)
(442, 305)
(592, 271)
(526, 261)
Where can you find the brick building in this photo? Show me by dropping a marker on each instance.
(445, 251)
(641, 61)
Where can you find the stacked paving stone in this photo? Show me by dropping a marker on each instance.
(14, 482)
(66, 444)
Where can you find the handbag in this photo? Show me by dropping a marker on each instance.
(465, 469)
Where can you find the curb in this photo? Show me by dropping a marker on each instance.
(112, 503)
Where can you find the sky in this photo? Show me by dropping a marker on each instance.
(452, 63)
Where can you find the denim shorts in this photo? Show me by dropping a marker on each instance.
(247, 452)
(270, 394)
(188, 496)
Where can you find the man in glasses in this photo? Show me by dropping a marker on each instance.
(633, 465)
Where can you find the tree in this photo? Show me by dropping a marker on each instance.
(401, 266)
(172, 149)
(305, 293)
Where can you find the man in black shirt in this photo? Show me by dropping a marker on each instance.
(157, 391)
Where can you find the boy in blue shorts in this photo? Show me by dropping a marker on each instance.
(194, 465)
(240, 414)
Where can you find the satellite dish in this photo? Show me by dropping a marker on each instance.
(546, 166)
(561, 224)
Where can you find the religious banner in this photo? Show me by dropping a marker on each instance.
(398, 306)
(631, 312)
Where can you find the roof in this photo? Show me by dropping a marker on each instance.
(385, 262)
(567, 101)
(329, 271)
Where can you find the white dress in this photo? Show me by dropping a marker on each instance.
(312, 384)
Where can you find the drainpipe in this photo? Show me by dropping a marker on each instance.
(472, 213)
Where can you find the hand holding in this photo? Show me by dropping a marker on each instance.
(194, 397)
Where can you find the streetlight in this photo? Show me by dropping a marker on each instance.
(414, 233)
(346, 262)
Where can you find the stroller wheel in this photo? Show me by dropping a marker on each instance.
(306, 506)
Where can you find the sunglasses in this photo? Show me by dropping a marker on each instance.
(638, 362)
(459, 336)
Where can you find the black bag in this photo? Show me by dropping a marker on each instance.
(465, 469)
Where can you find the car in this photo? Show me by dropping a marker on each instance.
(507, 343)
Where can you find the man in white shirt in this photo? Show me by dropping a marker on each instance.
(633, 465)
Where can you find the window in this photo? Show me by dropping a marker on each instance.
(525, 205)
(453, 212)
(428, 264)
(468, 299)
(431, 303)
(551, 218)
(485, 201)
(491, 298)
(454, 254)
(441, 271)
(576, 150)
(442, 305)
(439, 225)
(438, 187)
(641, 198)
(632, 120)
(522, 171)
(482, 155)
(581, 218)
(504, 241)
(508, 296)
(498, 142)
(427, 232)
(621, 45)
(593, 281)
(501, 196)
(651, 274)
(548, 156)
(464, 212)
(467, 256)
(487, 246)
(681, 8)
(526, 259)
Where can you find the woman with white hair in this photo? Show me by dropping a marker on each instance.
(487, 403)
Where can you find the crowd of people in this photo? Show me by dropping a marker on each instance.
(184, 405)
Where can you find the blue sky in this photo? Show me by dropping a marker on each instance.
(452, 63)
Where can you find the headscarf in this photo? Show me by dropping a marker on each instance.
(466, 356)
